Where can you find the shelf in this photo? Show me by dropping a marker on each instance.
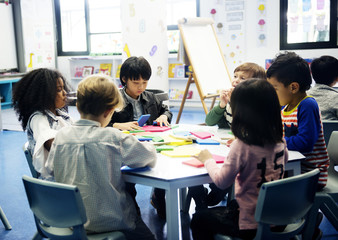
(178, 79)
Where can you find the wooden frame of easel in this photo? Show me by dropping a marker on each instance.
(190, 81)
(194, 79)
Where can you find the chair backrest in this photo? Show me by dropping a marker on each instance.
(161, 95)
(284, 202)
(328, 127)
(58, 208)
(30, 161)
(332, 150)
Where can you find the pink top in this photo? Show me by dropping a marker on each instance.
(249, 166)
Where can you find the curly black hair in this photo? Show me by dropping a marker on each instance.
(36, 91)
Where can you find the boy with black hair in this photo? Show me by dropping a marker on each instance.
(325, 73)
(290, 75)
(134, 75)
(303, 131)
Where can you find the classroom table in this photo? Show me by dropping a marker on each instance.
(170, 174)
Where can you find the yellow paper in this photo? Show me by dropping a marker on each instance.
(182, 152)
(175, 141)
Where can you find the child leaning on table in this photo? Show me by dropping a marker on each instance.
(257, 155)
(134, 75)
(290, 75)
(90, 156)
(39, 99)
(222, 116)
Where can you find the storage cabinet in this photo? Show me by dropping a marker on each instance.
(6, 89)
(80, 65)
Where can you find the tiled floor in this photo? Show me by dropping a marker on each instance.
(13, 199)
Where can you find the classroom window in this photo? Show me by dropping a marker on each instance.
(82, 25)
(308, 24)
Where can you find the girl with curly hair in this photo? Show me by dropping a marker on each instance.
(39, 99)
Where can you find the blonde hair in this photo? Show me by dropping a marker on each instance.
(253, 68)
(98, 93)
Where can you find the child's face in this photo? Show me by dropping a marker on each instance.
(240, 76)
(284, 93)
(135, 87)
(61, 98)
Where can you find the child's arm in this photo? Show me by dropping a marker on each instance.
(216, 116)
(223, 177)
(137, 154)
(128, 126)
(308, 128)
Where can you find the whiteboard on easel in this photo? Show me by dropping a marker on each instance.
(205, 55)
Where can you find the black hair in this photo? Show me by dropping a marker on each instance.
(324, 70)
(256, 117)
(36, 91)
(134, 68)
(288, 67)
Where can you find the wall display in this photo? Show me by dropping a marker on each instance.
(144, 34)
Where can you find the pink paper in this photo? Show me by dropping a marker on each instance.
(150, 128)
(202, 135)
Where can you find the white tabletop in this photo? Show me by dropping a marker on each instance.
(170, 174)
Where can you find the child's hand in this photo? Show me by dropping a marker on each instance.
(128, 126)
(230, 141)
(225, 97)
(204, 155)
(162, 120)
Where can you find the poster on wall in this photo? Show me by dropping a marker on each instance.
(234, 42)
(144, 33)
(38, 33)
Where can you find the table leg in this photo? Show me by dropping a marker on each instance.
(173, 215)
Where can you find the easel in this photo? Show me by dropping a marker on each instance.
(190, 81)
(210, 74)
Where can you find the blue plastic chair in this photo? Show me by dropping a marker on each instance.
(59, 212)
(284, 202)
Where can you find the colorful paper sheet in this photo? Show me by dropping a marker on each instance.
(196, 163)
(150, 128)
(182, 152)
(202, 135)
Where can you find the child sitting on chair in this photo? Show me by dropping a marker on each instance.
(90, 156)
(257, 155)
(39, 99)
(325, 73)
(222, 116)
(134, 75)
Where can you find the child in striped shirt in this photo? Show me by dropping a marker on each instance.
(302, 126)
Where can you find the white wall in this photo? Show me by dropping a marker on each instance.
(259, 54)
(253, 53)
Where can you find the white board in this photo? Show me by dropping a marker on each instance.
(7, 40)
(205, 55)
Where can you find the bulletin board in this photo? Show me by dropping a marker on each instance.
(205, 55)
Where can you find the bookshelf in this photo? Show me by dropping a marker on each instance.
(78, 64)
(6, 89)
